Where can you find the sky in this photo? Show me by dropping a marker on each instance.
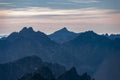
(101, 16)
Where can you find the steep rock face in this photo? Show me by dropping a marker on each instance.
(109, 69)
(62, 36)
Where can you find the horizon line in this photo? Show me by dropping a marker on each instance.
(59, 30)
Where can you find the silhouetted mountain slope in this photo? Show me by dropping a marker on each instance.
(88, 50)
(30, 34)
(62, 35)
(85, 76)
(112, 36)
(70, 75)
(57, 69)
(42, 74)
(89, 37)
(25, 43)
(46, 73)
(109, 69)
(73, 75)
(30, 64)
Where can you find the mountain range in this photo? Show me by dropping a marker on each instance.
(86, 51)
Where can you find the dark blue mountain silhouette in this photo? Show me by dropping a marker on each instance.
(46, 74)
(112, 36)
(62, 35)
(25, 43)
(86, 51)
(90, 49)
(30, 34)
(17, 69)
(73, 75)
(70, 75)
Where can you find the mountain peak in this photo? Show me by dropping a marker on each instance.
(73, 70)
(70, 75)
(88, 33)
(25, 29)
(65, 29)
(62, 35)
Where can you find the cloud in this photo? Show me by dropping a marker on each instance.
(5, 3)
(48, 15)
(45, 3)
(36, 11)
(92, 14)
(60, 4)
(84, 1)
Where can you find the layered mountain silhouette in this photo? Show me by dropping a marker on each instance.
(90, 49)
(43, 75)
(33, 68)
(70, 75)
(25, 43)
(17, 69)
(62, 35)
(86, 51)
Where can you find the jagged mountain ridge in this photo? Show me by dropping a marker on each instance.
(26, 65)
(112, 36)
(26, 41)
(68, 75)
(90, 49)
(86, 51)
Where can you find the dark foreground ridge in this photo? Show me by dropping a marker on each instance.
(33, 68)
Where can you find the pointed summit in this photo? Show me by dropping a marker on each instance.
(89, 33)
(70, 75)
(25, 29)
(63, 29)
(62, 35)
